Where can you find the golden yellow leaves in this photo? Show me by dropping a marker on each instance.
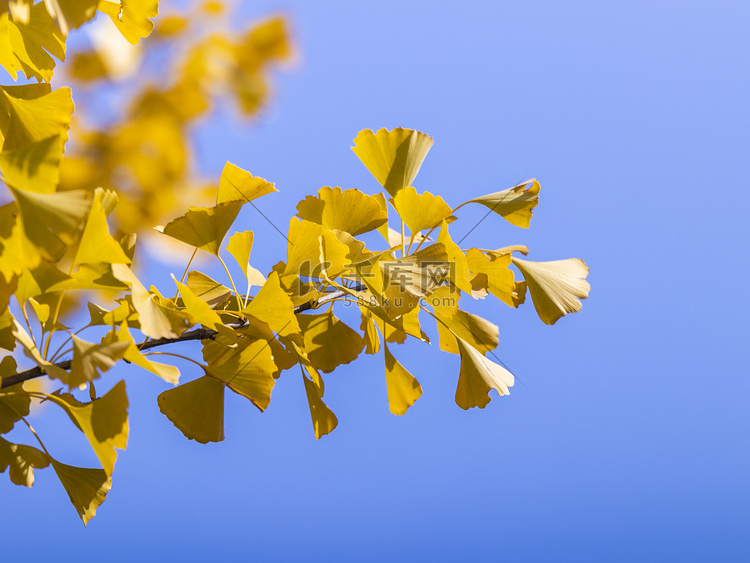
(393, 157)
(350, 211)
(132, 17)
(196, 409)
(514, 204)
(33, 113)
(237, 184)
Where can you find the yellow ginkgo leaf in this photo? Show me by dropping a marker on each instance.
(478, 375)
(90, 359)
(240, 245)
(168, 373)
(7, 340)
(323, 419)
(211, 291)
(328, 341)
(132, 17)
(555, 286)
(476, 331)
(272, 306)
(104, 422)
(22, 461)
(370, 338)
(418, 274)
(248, 371)
(493, 276)
(33, 38)
(87, 488)
(17, 253)
(7, 288)
(458, 270)
(237, 184)
(350, 211)
(8, 59)
(35, 168)
(420, 211)
(514, 204)
(403, 388)
(71, 14)
(34, 113)
(204, 227)
(53, 221)
(313, 251)
(158, 317)
(196, 409)
(16, 404)
(97, 245)
(202, 312)
(393, 157)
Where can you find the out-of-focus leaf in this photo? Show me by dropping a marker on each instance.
(237, 184)
(17, 253)
(196, 409)
(420, 211)
(323, 419)
(33, 37)
(87, 488)
(204, 227)
(351, 210)
(33, 114)
(22, 461)
(393, 157)
(478, 375)
(7, 340)
(97, 245)
(71, 14)
(555, 286)
(132, 17)
(514, 204)
(35, 168)
(328, 341)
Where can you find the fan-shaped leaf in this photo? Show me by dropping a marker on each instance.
(514, 204)
(97, 245)
(420, 211)
(86, 488)
(132, 17)
(403, 388)
(33, 114)
(35, 168)
(479, 375)
(323, 419)
(350, 210)
(237, 184)
(328, 341)
(204, 227)
(22, 461)
(196, 409)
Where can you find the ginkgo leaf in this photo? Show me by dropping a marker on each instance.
(33, 39)
(308, 256)
(478, 375)
(87, 488)
(350, 210)
(209, 290)
(418, 274)
(22, 461)
(7, 288)
(32, 352)
(16, 403)
(196, 409)
(514, 204)
(237, 184)
(403, 388)
(7, 340)
(70, 14)
(202, 312)
(273, 306)
(555, 286)
(476, 331)
(158, 317)
(17, 253)
(240, 245)
(248, 371)
(97, 245)
(132, 17)
(204, 227)
(370, 337)
(168, 373)
(393, 157)
(493, 276)
(458, 271)
(103, 421)
(90, 359)
(52, 221)
(328, 341)
(420, 211)
(323, 419)
(35, 168)
(8, 59)
(34, 113)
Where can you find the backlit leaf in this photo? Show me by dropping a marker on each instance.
(35, 168)
(90, 359)
(458, 271)
(514, 204)
(323, 419)
(196, 409)
(237, 184)
(202, 313)
(204, 227)
(167, 372)
(87, 488)
(240, 245)
(328, 341)
(33, 114)
(555, 286)
(393, 157)
(132, 17)
(350, 210)
(97, 245)
(273, 306)
(22, 461)
(493, 276)
(70, 14)
(34, 40)
(403, 388)
(211, 291)
(478, 376)
(420, 211)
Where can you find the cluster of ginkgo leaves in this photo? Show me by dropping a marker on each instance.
(56, 243)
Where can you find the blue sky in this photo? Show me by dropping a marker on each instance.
(626, 436)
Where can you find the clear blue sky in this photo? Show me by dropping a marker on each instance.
(627, 436)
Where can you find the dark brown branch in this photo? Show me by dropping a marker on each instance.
(197, 334)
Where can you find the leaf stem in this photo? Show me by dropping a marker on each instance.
(182, 279)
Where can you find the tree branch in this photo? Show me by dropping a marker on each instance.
(196, 334)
